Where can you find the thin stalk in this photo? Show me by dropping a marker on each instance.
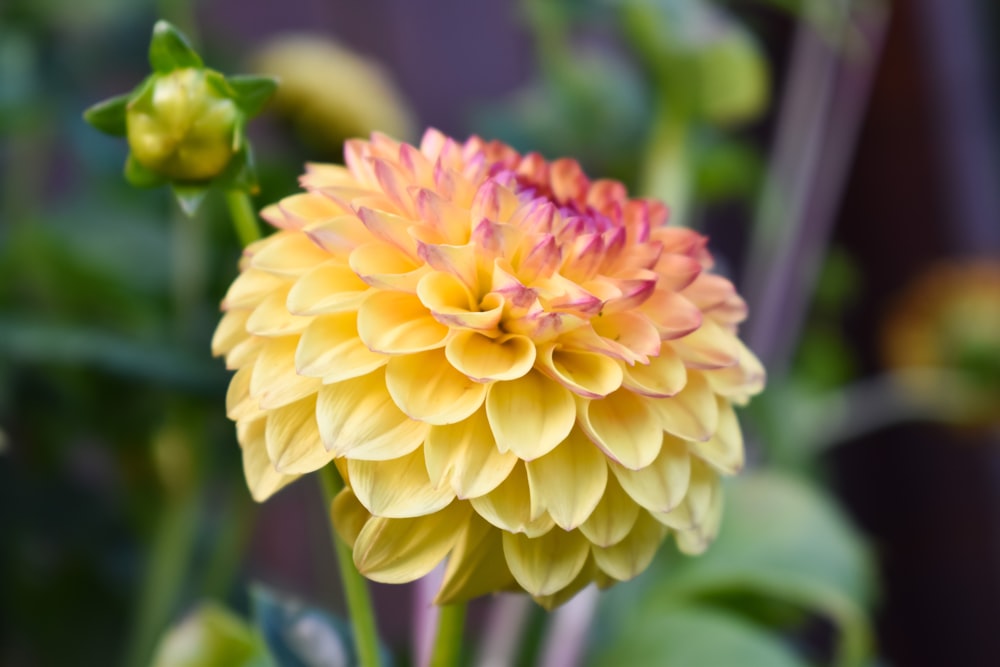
(244, 218)
(359, 603)
(448, 641)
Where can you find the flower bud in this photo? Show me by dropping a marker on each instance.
(181, 127)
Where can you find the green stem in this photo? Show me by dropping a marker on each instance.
(359, 602)
(448, 641)
(244, 218)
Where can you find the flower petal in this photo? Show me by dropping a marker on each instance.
(664, 375)
(452, 303)
(629, 557)
(329, 288)
(693, 413)
(396, 551)
(263, 479)
(671, 314)
(662, 485)
(239, 403)
(382, 265)
(724, 450)
(331, 350)
(293, 441)
(584, 373)
(465, 457)
(271, 316)
(694, 541)
(484, 359)
(288, 254)
(476, 566)
(508, 506)
(530, 415)
(232, 331)
(397, 488)
(569, 481)
(349, 516)
(426, 387)
(545, 565)
(703, 491)
(357, 418)
(624, 426)
(274, 381)
(709, 346)
(613, 517)
(397, 323)
(250, 288)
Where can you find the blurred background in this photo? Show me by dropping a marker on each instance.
(843, 157)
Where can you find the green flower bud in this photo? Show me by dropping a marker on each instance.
(181, 127)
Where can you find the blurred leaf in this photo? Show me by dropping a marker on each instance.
(252, 92)
(726, 169)
(169, 49)
(300, 636)
(42, 343)
(211, 636)
(781, 537)
(108, 116)
(189, 197)
(693, 636)
(139, 176)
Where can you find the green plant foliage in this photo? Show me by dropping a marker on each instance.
(211, 636)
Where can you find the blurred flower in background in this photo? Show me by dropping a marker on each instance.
(331, 93)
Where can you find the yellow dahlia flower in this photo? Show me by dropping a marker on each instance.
(514, 368)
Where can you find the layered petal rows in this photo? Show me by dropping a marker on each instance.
(515, 369)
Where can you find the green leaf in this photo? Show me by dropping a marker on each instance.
(252, 92)
(782, 538)
(170, 49)
(140, 176)
(211, 636)
(190, 197)
(694, 636)
(108, 116)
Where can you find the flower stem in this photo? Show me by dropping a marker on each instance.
(448, 641)
(359, 602)
(244, 218)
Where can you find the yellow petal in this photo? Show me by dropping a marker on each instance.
(569, 481)
(384, 266)
(724, 450)
(476, 565)
(465, 457)
(250, 288)
(288, 254)
(231, 331)
(239, 404)
(274, 381)
(357, 418)
(245, 352)
(293, 441)
(305, 207)
(631, 556)
(262, 478)
(709, 346)
(588, 574)
(692, 414)
(545, 565)
(271, 317)
(453, 304)
(483, 358)
(585, 373)
(397, 488)
(613, 517)
(624, 426)
(329, 288)
(396, 551)
(697, 539)
(331, 350)
(530, 416)
(427, 388)
(508, 506)
(664, 375)
(703, 491)
(631, 332)
(662, 485)
(349, 516)
(397, 323)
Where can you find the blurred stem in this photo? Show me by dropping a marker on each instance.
(666, 168)
(164, 575)
(448, 640)
(244, 218)
(230, 541)
(188, 273)
(359, 602)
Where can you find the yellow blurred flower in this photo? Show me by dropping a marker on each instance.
(514, 368)
(949, 319)
(330, 92)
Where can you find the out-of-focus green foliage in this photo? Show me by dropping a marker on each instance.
(211, 636)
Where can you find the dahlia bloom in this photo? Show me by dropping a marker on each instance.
(514, 368)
